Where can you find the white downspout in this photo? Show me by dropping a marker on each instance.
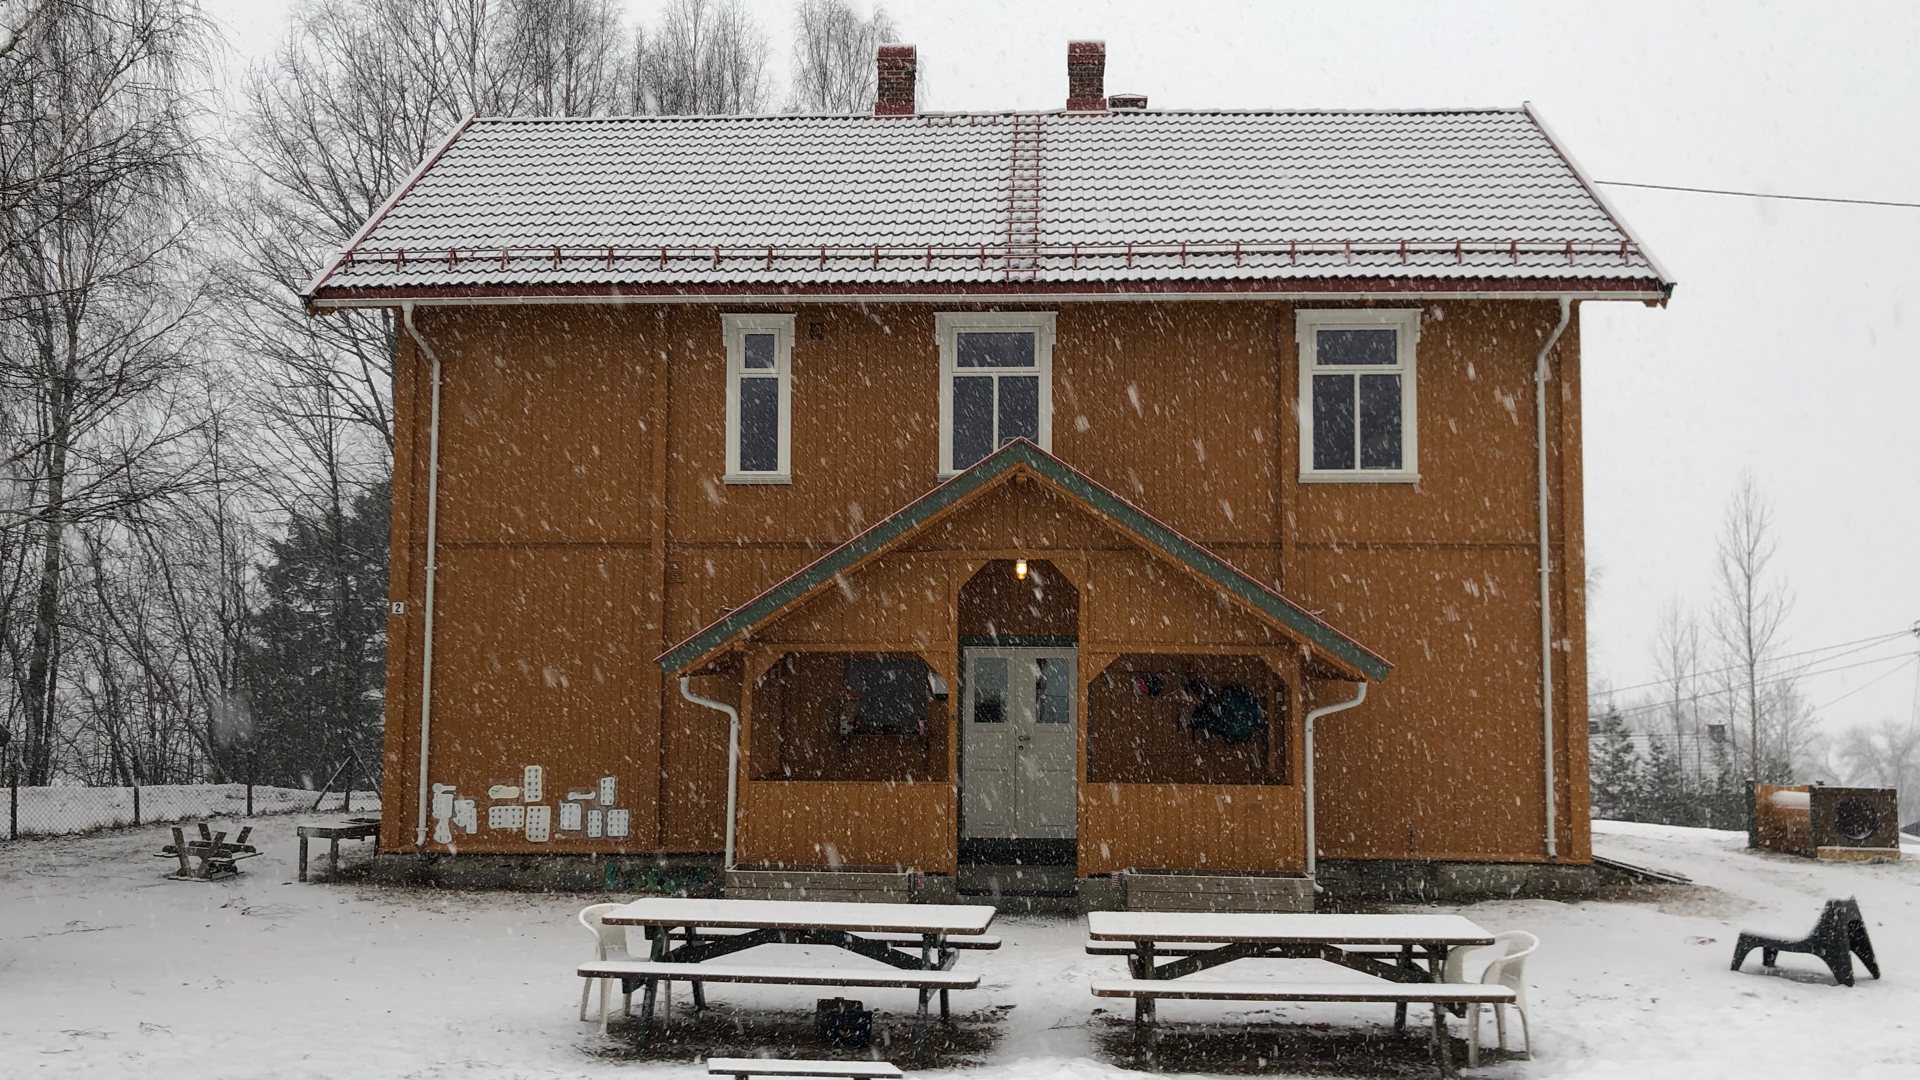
(1306, 748)
(433, 538)
(1546, 571)
(733, 758)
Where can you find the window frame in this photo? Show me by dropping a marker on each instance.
(736, 327)
(949, 325)
(1406, 322)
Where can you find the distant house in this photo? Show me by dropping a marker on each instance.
(1036, 487)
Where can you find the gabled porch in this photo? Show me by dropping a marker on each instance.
(1021, 668)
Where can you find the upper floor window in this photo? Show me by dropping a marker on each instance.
(1357, 415)
(995, 383)
(759, 397)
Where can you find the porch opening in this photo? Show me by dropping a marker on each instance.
(1018, 623)
(849, 716)
(1187, 719)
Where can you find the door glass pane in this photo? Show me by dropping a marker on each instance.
(1052, 691)
(1004, 348)
(1019, 408)
(1380, 421)
(1333, 421)
(1356, 347)
(972, 420)
(759, 352)
(990, 690)
(759, 425)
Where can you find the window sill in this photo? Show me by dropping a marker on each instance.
(750, 479)
(1360, 476)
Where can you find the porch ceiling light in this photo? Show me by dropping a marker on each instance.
(1020, 569)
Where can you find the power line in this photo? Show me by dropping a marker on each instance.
(1880, 678)
(1863, 642)
(1763, 194)
(1635, 710)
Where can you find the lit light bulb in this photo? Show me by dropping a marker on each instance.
(1020, 569)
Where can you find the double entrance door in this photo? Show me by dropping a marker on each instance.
(1018, 743)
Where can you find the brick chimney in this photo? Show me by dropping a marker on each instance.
(1086, 76)
(898, 67)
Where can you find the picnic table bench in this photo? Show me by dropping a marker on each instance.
(1391, 949)
(741, 1068)
(685, 935)
(209, 857)
(358, 828)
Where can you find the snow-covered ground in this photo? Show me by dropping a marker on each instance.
(49, 811)
(107, 970)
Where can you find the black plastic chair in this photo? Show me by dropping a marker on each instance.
(1839, 936)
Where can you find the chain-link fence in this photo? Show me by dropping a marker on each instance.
(60, 810)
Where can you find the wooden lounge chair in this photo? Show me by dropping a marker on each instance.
(1839, 936)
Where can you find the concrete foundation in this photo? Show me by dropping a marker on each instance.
(1392, 881)
(1408, 881)
(1158, 890)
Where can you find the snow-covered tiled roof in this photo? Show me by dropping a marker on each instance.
(1012, 202)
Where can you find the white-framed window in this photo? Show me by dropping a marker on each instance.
(1358, 421)
(996, 383)
(759, 397)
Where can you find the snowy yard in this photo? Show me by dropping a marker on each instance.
(107, 970)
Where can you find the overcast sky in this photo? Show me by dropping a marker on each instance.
(1786, 349)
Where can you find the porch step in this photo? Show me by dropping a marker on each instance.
(1028, 881)
(1160, 890)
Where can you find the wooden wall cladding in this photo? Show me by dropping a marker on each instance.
(577, 508)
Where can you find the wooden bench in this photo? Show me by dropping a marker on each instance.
(1438, 994)
(649, 974)
(354, 829)
(741, 1068)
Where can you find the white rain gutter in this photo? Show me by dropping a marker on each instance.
(733, 758)
(433, 538)
(1546, 572)
(1307, 750)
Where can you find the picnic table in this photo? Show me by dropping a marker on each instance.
(1404, 955)
(209, 857)
(917, 943)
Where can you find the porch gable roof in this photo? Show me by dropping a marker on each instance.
(1016, 457)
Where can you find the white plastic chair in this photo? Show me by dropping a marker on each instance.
(610, 943)
(1509, 970)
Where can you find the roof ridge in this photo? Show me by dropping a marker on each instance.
(1469, 110)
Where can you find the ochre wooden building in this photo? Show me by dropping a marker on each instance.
(1109, 488)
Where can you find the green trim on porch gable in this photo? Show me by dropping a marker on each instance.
(1015, 455)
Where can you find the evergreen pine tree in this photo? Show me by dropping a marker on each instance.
(317, 671)
(1615, 769)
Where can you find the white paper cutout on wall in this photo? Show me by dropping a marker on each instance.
(442, 813)
(533, 783)
(503, 791)
(570, 816)
(539, 823)
(609, 788)
(506, 817)
(617, 821)
(466, 816)
(594, 820)
(587, 795)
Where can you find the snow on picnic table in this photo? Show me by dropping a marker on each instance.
(107, 970)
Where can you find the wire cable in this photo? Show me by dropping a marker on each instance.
(1763, 194)
(1865, 642)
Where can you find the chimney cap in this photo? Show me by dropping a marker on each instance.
(896, 51)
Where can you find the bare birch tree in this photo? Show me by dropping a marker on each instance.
(95, 301)
(1749, 624)
(833, 56)
(707, 56)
